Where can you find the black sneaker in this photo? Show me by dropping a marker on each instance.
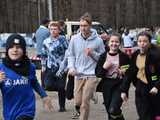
(62, 110)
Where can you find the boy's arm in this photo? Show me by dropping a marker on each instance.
(44, 55)
(71, 54)
(36, 86)
(46, 99)
(101, 49)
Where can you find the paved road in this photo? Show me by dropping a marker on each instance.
(97, 110)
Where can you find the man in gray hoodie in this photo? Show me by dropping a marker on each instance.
(83, 52)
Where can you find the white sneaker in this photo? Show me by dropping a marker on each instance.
(75, 115)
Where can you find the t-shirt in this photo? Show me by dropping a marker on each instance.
(141, 68)
(112, 71)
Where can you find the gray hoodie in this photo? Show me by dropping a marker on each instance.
(77, 59)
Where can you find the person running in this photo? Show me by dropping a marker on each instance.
(144, 72)
(18, 82)
(111, 67)
(54, 49)
(83, 53)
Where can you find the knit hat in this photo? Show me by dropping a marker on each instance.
(21, 66)
(16, 39)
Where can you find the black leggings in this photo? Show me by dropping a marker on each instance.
(24, 117)
(112, 99)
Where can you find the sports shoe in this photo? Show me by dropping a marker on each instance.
(75, 115)
(62, 110)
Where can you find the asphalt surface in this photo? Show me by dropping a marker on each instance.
(97, 110)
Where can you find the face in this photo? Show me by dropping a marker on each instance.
(54, 30)
(105, 36)
(114, 43)
(15, 53)
(143, 43)
(84, 27)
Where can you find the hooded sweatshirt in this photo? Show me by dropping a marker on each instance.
(77, 59)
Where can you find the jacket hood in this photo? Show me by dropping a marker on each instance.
(93, 35)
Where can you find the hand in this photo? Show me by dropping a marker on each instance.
(72, 72)
(107, 65)
(88, 51)
(47, 104)
(121, 71)
(2, 76)
(124, 96)
(153, 91)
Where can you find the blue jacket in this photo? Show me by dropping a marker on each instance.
(41, 34)
(54, 49)
(17, 93)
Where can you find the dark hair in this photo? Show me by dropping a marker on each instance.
(117, 35)
(45, 21)
(61, 22)
(145, 33)
(87, 17)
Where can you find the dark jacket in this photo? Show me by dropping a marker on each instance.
(152, 69)
(124, 62)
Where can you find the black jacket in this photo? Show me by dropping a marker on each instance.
(124, 62)
(152, 69)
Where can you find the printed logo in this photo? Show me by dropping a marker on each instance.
(21, 81)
